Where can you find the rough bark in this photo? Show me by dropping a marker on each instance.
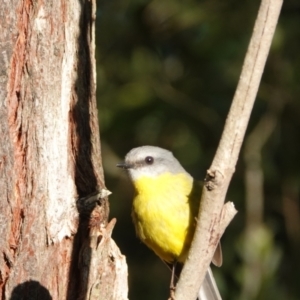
(50, 155)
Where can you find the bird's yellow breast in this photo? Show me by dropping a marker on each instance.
(164, 214)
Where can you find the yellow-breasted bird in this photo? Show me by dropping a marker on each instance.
(165, 207)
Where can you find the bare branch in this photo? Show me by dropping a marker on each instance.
(210, 226)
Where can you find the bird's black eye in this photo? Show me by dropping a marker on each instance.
(149, 160)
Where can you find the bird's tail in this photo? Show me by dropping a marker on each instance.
(209, 289)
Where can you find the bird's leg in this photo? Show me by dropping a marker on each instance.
(172, 283)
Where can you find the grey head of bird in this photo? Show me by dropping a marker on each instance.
(150, 161)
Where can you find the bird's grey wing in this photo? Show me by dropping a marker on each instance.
(209, 289)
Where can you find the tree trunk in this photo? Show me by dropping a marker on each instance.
(52, 247)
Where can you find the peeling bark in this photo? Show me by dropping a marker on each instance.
(49, 152)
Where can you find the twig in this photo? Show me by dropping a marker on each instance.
(210, 227)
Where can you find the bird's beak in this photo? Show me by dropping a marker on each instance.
(124, 165)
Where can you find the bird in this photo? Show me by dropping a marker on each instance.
(165, 207)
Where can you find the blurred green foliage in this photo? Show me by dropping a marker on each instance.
(166, 74)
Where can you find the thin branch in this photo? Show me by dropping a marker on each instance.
(210, 227)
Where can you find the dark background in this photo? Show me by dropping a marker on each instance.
(166, 74)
